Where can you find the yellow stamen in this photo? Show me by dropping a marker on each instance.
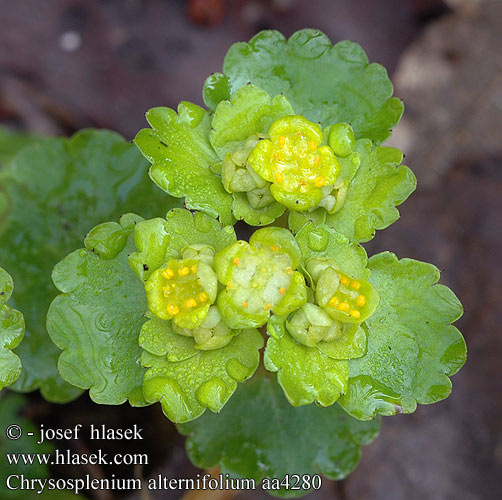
(275, 248)
(312, 145)
(282, 290)
(267, 307)
(194, 268)
(203, 297)
(168, 273)
(279, 177)
(282, 140)
(361, 300)
(276, 157)
(302, 182)
(245, 304)
(344, 280)
(183, 271)
(288, 270)
(172, 309)
(317, 161)
(166, 291)
(355, 285)
(333, 301)
(344, 306)
(320, 181)
(236, 261)
(190, 303)
(355, 314)
(229, 286)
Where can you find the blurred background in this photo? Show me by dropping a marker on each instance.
(70, 64)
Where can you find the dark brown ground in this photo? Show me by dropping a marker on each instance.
(123, 57)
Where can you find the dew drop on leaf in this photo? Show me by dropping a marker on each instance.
(318, 239)
(237, 370)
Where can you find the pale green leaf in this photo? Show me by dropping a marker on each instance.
(178, 147)
(324, 83)
(250, 111)
(378, 186)
(205, 380)
(321, 241)
(412, 347)
(158, 240)
(11, 142)
(97, 318)
(305, 373)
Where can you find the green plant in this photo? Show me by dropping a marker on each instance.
(181, 309)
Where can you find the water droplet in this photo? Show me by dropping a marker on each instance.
(318, 239)
(237, 370)
(212, 393)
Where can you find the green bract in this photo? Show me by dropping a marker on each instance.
(371, 192)
(258, 435)
(194, 358)
(325, 83)
(305, 373)
(11, 333)
(52, 194)
(178, 147)
(203, 379)
(97, 318)
(310, 349)
(260, 277)
(412, 347)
